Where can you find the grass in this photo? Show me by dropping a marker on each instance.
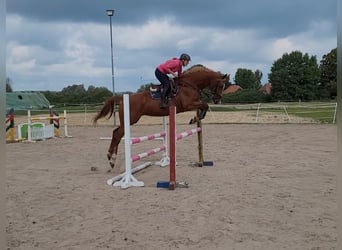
(323, 112)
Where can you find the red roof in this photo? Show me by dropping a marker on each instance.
(266, 88)
(232, 89)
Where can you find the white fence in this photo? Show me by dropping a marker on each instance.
(277, 112)
(285, 112)
(45, 132)
(320, 111)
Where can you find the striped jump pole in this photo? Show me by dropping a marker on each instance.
(165, 161)
(136, 140)
(150, 152)
(187, 133)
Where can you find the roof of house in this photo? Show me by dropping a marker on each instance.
(266, 88)
(232, 89)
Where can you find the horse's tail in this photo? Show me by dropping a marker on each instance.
(108, 108)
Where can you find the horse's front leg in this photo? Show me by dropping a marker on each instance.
(201, 113)
(202, 109)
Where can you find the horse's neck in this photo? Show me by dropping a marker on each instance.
(198, 82)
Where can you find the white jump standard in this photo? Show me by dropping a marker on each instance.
(127, 179)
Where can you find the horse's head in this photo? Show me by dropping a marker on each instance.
(216, 87)
(204, 77)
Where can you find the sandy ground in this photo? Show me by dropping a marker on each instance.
(272, 186)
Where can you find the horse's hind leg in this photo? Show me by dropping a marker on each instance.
(113, 148)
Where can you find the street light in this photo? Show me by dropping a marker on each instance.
(110, 13)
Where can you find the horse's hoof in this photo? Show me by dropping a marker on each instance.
(193, 120)
(111, 164)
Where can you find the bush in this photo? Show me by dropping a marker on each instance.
(246, 96)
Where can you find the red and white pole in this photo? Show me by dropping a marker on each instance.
(172, 148)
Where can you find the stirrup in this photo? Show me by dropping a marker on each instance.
(164, 105)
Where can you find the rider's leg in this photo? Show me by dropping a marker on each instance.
(164, 96)
(164, 80)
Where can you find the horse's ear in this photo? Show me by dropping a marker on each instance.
(224, 76)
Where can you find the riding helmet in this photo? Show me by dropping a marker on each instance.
(185, 56)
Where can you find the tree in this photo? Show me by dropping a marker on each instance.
(328, 78)
(72, 94)
(96, 94)
(9, 85)
(247, 79)
(258, 76)
(76, 94)
(144, 87)
(294, 77)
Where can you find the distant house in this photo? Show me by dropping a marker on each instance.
(266, 88)
(231, 89)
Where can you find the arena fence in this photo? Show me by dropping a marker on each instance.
(263, 113)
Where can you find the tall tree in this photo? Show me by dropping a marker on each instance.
(144, 87)
(328, 79)
(294, 77)
(9, 85)
(73, 94)
(247, 79)
(258, 76)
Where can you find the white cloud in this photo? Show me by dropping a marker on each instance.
(57, 53)
(151, 34)
(317, 41)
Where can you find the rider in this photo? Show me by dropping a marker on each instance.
(173, 66)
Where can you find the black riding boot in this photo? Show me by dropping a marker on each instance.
(163, 98)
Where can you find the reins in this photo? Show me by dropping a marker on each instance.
(188, 84)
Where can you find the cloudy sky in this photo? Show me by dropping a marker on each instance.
(55, 44)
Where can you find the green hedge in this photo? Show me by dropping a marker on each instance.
(246, 96)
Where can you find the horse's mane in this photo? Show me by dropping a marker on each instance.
(196, 68)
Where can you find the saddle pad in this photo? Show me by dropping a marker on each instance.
(155, 94)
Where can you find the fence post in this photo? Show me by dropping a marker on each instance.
(200, 140)
(334, 119)
(257, 114)
(29, 138)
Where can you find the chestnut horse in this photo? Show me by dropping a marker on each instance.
(190, 84)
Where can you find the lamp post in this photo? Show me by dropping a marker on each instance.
(110, 13)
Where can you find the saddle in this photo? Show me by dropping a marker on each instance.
(155, 90)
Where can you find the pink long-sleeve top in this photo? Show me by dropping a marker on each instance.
(171, 66)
